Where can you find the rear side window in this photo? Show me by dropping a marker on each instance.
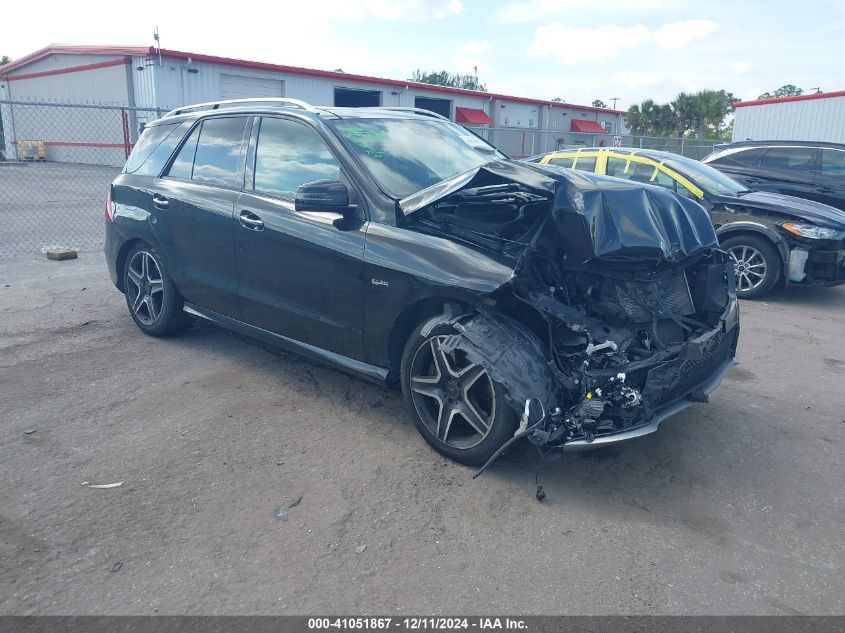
(290, 154)
(154, 148)
(561, 162)
(183, 164)
(833, 162)
(797, 159)
(218, 153)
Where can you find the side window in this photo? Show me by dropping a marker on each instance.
(183, 164)
(219, 152)
(561, 162)
(742, 158)
(151, 155)
(585, 163)
(616, 167)
(290, 154)
(636, 171)
(833, 162)
(797, 159)
(686, 193)
(662, 179)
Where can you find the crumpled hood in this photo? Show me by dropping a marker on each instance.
(596, 216)
(810, 210)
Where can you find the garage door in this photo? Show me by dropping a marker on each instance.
(240, 87)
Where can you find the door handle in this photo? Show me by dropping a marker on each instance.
(160, 202)
(250, 221)
(825, 189)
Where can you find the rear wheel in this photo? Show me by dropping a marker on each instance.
(153, 301)
(456, 405)
(757, 264)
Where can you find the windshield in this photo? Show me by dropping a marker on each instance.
(408, 155)
(709, 179)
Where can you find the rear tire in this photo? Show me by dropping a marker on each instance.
(455, 404)
(757, 265)
(153, 301)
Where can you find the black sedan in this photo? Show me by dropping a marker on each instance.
(774, 239)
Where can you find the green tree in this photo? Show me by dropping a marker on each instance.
(598, 103)
(789, 90)
(445, 78)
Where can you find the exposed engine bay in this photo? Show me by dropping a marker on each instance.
(621, 305)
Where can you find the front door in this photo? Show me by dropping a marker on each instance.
(300, 274)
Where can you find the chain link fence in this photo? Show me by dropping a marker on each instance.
(57, 160)
(525, 142)
(56, 163)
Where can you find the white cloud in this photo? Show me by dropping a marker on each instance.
(675, 35)
(411, 9)
(572, 45)
(740, 67)
(536, 9)
(532, 10)
(637, 78)
(476, 48)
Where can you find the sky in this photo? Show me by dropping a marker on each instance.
(576, 50)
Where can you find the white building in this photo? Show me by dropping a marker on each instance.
(144, 77)
(812, 117)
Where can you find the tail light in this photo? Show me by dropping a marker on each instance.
(109, 210)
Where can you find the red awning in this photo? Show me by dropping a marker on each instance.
(590, 127)
(473, 116)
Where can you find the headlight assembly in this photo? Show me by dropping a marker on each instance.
(812, 231)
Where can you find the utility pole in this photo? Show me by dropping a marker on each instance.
(614, 99)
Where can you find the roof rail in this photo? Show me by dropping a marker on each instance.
(216, 105)
(417, 110)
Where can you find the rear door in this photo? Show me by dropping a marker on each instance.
(194, 212)
(830, 177)
(787, 169)
(300, 273)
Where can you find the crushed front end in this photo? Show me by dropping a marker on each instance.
(621, 310)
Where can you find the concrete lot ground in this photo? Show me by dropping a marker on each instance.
(47, 205)
(734, 507)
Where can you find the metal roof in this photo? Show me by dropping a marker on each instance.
(815, 95)
(296, 70)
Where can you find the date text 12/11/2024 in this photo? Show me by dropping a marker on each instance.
(416, 623)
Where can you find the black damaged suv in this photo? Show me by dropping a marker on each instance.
(508, 300)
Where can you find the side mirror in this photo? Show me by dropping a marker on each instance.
(322, 195)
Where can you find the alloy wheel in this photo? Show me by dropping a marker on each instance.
(454, 397)
(145, 287)
(749, 266)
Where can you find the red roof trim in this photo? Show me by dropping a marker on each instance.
(815, 95)
(74, 50)
(71, 69)
(472, 115)
(228, 61)
(590, 127)
(214, 59)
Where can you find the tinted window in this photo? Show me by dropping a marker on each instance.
(150, 154)
(585, 163)
(184, 161)
(561, 162)
(798, 159)
(290, 154)
(833, 162)
(219, 152)
(742, 157)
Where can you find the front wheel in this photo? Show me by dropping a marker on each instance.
(757, 265)
(456, 405)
